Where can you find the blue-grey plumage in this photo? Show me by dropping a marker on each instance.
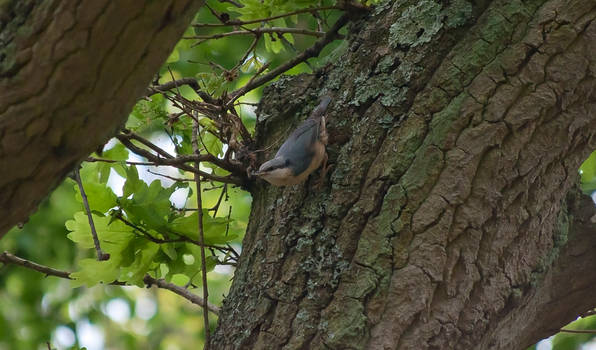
(302, 153)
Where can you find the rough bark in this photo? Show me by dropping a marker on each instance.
(457, 131)
(70, 72)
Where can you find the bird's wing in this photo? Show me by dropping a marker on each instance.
(299, 145)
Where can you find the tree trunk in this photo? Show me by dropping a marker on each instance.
(70, 72)
(451, 219)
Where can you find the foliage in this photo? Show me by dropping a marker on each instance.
(145, 216)
(588, 174)
(143, 200)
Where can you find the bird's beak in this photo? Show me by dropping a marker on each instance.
(257, 173)
(251, 173)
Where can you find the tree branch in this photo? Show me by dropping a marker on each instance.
(578, 331)
(308, 53)
(259, 31)
(267, 19)
(7, 258)
(173, 161)
(185, 293)
(10, 259)
(155, 89)
(177, 163)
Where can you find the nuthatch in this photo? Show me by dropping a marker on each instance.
(302, 153)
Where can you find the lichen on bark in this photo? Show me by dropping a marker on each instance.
(456, 146)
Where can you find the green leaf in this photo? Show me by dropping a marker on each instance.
(147, 114)
(112, 237)
(144, 253)
(133, 183)
(174, 56)
(100, 196)
(588, 173)
(131, 257)
(213, 144)
(180, 279)
(149, 205)
(188, 263)
(169, 250)
(93, 272)
(213, 228)
(118, 152)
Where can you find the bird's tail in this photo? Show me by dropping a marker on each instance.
(322, 107)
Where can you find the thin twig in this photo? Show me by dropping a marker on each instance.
(267, 19)
(588, 313)
(235, 3)
(181, 237)
(149, 236)
(100, 254)
(221, 195)
(251, 48)
(306, 54)
(185, 293)
(156, 89)
(258, 31)
(103, 160)
(233, 251)
(179, 179)
(131, 135)
(179, 163)
(180, 160)
(228, 224)
(579, 331)
(174, 80)
(7, 258)
(195, 146)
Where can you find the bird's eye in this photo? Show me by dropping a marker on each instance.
(287, 162)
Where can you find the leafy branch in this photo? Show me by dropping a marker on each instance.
(7, 258)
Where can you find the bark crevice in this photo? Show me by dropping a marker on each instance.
(442, 215)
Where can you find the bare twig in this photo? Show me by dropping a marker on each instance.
(235, 3)
(258, 31)
(103, 160)
(100, 254)
(149, 236)
(195, 146)
(250, 49)
(180, 163)
(155, 89)
(174, 80)
(131, 135)
(7, 258)
(579, 331)
(179, 179)
(221, 196)
(308, 53)
(267, 19)
(185, 293)
(228, 225)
